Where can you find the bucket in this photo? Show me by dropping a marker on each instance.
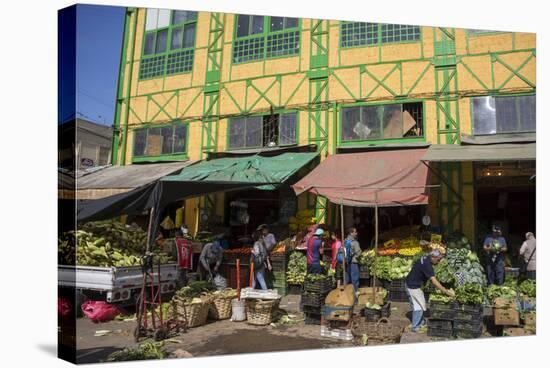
(238, 310)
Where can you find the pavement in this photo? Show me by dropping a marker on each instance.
(227, 337)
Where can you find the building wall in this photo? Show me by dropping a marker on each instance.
(443, 70)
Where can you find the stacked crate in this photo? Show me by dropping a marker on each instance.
(279, 264)
(440, 323)
(398, 291)
(364, 275)
(313, 299)
(468, 322)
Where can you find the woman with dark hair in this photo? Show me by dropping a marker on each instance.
(260, 260)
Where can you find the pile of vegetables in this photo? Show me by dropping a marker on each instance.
(280, 248)
(238, 252)
(505, 292)
(381, 268)
(409, 247)
(457, 240)
(147, 350)
(193, 291)
(438, 297)
(470, 294)
(297, 267)
(460, 261)
(366, 258)
(317, 277)
(388, 252)
(400, 268)
(528, 288)
(106, 244)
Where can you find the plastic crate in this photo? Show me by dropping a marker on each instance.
(468, 316)
(313, 299)
(441, 324)
(321, 286)
(398, 296)
(397, 285)
(312, 319)
(468, 334)
(438, 332)
(294, 289)
(372, 315)
(443, 310)
(468, 325)
(471, 308)
(364, 275)
(279, 266)
(385, 312)
(307, 309)
(282, 290)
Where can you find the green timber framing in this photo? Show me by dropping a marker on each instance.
(320, 74)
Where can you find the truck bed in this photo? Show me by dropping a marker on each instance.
(109, 278)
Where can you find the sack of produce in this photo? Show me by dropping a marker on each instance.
(99, 311)
(220, 282)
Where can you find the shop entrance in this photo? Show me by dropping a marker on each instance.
(506, 195)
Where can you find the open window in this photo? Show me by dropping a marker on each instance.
(376, 122)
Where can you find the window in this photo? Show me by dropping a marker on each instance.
(513, 114)
(262, 131)
(259, 37)
(158, 141)
(366, 34)
(169, 42)
(481, 31)
(389, 121)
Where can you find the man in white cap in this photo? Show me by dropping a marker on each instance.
(314, 252)
(422, 271)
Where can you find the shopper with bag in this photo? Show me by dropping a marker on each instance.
(527, 252)
(260, 260)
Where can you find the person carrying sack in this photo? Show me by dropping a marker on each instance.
(527, 251)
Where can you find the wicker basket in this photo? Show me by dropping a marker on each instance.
(220, 308)
(195, 313)
(260, 312)
(381, 332)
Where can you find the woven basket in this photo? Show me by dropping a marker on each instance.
(260, 312)
(195, 313)
(381, 332)
(220, 308)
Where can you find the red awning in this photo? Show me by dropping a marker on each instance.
(389, 178)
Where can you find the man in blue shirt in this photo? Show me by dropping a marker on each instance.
(494, 247)
(422, 271)
(314, 252)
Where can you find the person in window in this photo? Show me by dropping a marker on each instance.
(422, 271)
(495, 247)
(314, 252)
(260, 260)
(528, 253)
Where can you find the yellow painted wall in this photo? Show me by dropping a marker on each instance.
(402, 66)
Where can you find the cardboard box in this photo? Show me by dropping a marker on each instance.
(516, 331)
(505, 303)
(530, 318)
(506, 317)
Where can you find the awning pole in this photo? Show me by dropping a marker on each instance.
(375, 241)
(149, 229)
(343, 240)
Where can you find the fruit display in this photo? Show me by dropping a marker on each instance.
(239, 251)
(297, 267)
(106, 244)
(366, 258)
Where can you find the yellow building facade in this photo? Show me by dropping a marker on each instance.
(205, 82)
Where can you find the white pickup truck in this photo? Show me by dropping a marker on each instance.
(114, 284)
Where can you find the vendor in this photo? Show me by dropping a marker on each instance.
(495, 247)
(528, 253)
(267, 237)
(422, 271)
(314, 252)
(210, 259)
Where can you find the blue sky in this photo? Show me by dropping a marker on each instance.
(98, 45)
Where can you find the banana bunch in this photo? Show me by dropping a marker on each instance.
(412, 251)
(106, 244)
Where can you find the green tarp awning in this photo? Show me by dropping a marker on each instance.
(250, 169)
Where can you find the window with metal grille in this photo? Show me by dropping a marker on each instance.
(262, 131)
(169, 42)
(389, 121)
(161, 140)
(510, 114)
(259, 37)
(354, 34)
